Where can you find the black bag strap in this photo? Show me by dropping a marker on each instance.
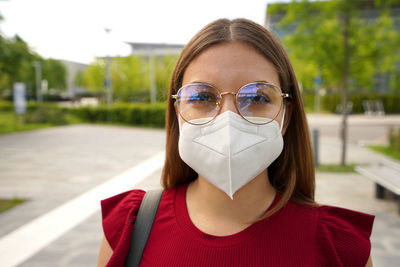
(141, 230)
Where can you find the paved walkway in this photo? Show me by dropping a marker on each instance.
(52, 166)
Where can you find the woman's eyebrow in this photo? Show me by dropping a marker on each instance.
(262, 81)
(208, 83)
(202, 82)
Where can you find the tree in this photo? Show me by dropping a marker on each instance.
(55, 73)
(94, 76)
(79, 79)
(338, 40)
(16, 65)
(130, 77)
(16, 62)
(164, 68)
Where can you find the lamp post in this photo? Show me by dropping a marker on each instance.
(108, 72)
(153, 89)
(38, 77)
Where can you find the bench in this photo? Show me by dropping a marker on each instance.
(373, 107)
(386, 175)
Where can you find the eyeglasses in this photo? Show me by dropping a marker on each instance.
(257, 102)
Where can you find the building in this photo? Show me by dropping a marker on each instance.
(155, 49)
(72, 69)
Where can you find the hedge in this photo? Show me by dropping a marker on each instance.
(391, 102)
(132, 114)
(142, 114)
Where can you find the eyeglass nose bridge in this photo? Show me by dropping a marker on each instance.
(225, 93)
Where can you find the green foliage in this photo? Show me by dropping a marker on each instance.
(130, 114)
(335, 168)
(79, 80)
(10, 122)
(393, 148)
(316, 47)
(16, 65)
(390, 102)
(47, 114)
(94, 76)
(130, 77)
(55, 73)
(330, 102)
(164, 69)
(387, 150)
(15, 62)
(394, 138)
(6, 204)
(6, 106)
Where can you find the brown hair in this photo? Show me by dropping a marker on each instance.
(292, 173)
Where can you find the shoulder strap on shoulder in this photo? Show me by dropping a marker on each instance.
(144, 221)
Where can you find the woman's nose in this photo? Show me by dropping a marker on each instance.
(228, 103)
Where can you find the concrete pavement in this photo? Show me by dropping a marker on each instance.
(52, 166)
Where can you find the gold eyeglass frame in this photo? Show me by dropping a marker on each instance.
(220, 94)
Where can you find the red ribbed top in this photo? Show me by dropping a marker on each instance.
(297, 235)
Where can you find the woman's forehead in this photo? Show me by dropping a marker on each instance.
(230, 65)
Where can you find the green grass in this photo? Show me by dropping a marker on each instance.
(335, 168)
(387, 150)
(6, 204)
(9, 122)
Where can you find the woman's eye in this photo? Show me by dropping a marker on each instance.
(202, 97)
(259, 98)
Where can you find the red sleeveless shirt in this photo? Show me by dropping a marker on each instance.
(297, 235)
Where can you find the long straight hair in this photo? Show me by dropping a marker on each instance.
(292, 173)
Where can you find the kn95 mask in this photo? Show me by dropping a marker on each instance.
(230, 151)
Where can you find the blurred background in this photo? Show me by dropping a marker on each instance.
(83, 90)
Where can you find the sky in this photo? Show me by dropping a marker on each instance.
(75, 29)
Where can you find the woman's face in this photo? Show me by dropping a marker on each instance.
(229, 66)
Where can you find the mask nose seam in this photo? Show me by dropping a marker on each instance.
(229, 164)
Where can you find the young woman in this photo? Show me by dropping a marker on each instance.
(238, 174)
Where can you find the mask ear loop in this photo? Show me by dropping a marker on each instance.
(179, 123)
(283, 117)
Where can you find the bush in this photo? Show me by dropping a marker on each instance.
(331, 101)
(6, 106)
(9, 106)
(394, 138)
(46, 114)
(131, 114)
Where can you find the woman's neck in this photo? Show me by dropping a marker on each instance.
(249, 203)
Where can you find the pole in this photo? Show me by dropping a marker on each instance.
(153, 89)
(38, 77)
(316, 146)
(345, 85)
(108, 81)
(317, 99)
(108, 73)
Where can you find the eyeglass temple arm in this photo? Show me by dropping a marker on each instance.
(284, 95)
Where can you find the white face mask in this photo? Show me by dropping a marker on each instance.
(229, 151)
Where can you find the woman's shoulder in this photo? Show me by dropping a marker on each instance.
(343, 236)
(119, 210)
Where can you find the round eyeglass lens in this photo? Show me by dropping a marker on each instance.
(197, 103)
(259, 103)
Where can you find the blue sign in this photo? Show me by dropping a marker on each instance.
(19, 98)
(317, 80)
